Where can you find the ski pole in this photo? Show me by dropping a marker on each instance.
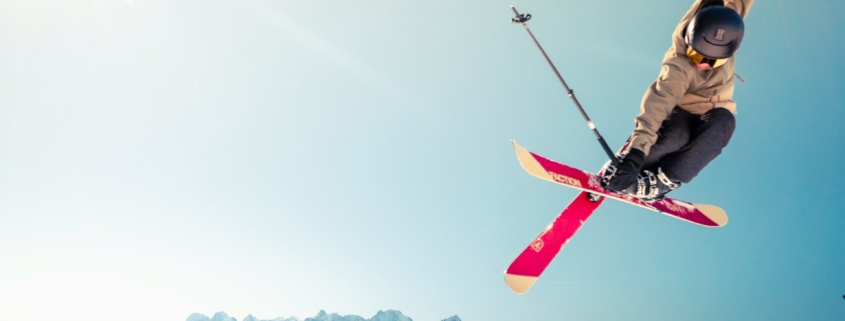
(522, 19)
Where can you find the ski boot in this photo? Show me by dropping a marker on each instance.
(652, 188)
(648, 188)
(608, 169)
(606, 173)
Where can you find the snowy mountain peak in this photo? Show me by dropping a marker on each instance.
(222, 316)
(322, 316)
(390, 315)
(252, 318)
(387, 315)
(197, 317)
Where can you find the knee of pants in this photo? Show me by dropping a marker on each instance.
(675, 131)
(722, 123)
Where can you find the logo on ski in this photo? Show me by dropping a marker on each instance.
(675, 207)
(537, 245)
(565, 179)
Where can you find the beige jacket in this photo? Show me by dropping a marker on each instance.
(682, 84)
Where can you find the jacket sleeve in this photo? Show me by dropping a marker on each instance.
(741, 6)
(659, 100)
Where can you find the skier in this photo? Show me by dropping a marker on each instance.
(686, 116)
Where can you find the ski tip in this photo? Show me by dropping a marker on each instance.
(529, 163)
(519, 283)
(714, 213)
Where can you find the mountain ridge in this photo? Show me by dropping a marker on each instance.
(381, 315)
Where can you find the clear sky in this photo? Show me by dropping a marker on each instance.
(160, 158)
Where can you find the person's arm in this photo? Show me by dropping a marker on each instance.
(659, 100)
(740, 6)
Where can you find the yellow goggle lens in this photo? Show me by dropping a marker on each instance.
(699, 59)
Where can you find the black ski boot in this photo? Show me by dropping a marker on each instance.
(608, 169)
(653, 188)
(649, 187)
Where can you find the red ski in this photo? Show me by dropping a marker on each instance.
(528, 266)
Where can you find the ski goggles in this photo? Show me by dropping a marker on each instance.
(703, 62)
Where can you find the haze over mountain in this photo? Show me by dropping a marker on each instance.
(388, 315)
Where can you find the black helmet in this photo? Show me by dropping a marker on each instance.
(715, 32)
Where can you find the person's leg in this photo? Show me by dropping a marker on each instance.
(709, 136)
(673, 135)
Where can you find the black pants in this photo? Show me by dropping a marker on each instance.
(687, 142)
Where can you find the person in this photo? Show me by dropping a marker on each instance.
(687, 115)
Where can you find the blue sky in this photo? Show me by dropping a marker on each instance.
(162, 158)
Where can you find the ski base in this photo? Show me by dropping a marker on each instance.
(527, 267)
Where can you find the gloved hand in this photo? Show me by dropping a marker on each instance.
(626, 172)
